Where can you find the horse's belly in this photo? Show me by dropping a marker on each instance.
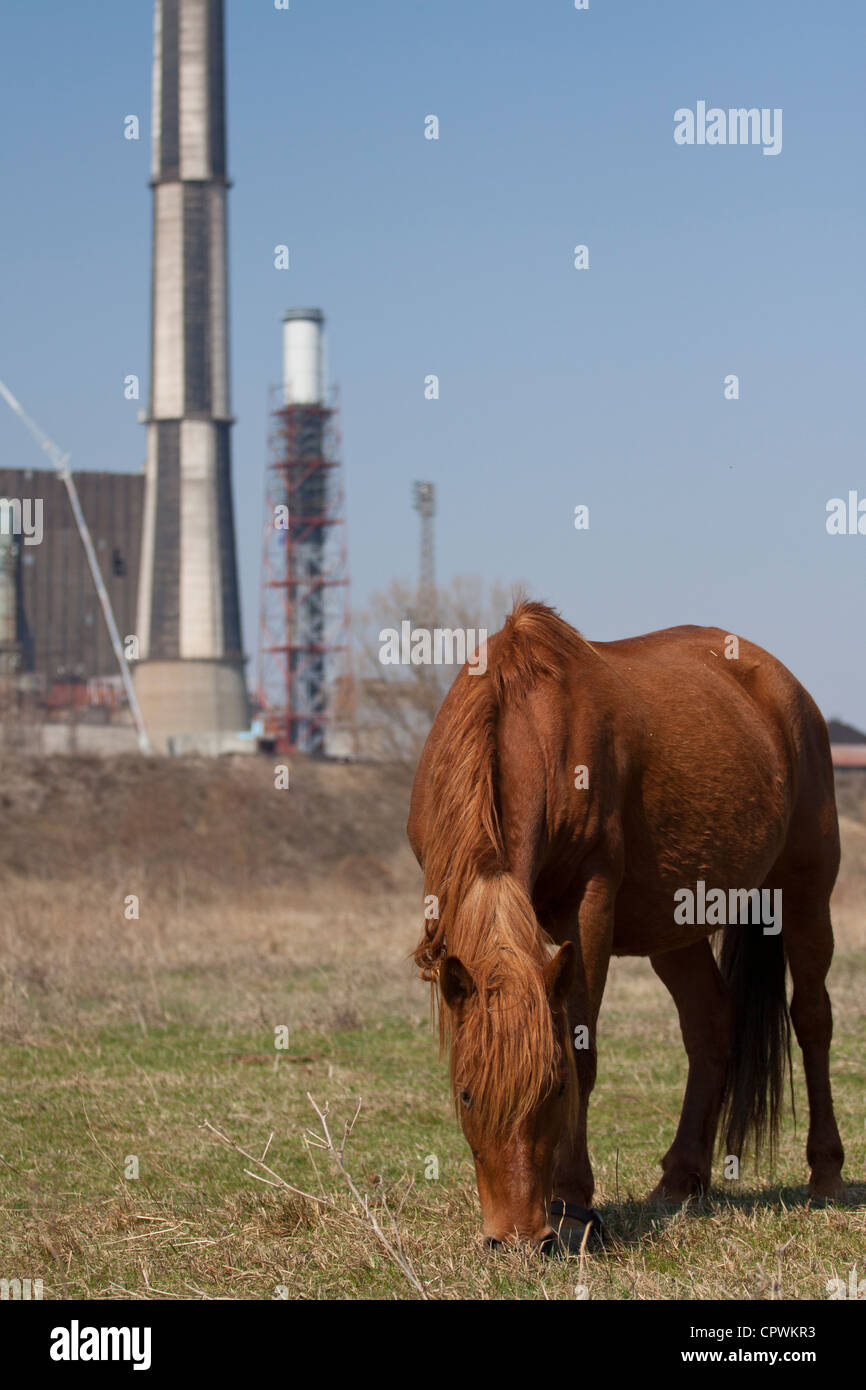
(681, 853)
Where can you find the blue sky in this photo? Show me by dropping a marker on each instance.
(454, 257)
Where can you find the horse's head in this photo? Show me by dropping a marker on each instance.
(514, 1082)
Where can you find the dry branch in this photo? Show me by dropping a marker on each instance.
(393, 1248)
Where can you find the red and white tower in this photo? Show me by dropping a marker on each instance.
(305, 671)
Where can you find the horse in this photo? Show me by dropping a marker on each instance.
(571, 799)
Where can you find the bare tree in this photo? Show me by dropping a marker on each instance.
(397, 703)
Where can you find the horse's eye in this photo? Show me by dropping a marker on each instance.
(465, 1097)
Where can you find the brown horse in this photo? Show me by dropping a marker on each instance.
(583, 795)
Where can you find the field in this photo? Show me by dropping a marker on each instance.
(130, 1040)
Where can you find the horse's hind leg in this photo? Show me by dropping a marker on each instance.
(808, 938)
(703, 1004)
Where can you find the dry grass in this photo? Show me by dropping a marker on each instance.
(126, 1037)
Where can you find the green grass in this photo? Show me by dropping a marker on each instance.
(195, 1224)
(124, 1037)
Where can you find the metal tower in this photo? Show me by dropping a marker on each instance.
(305, 682)
(424, 502)
(190, 679)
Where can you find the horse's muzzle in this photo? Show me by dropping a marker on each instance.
(549, 1244)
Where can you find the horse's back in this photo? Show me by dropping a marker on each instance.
(683, 673)
(733, 774)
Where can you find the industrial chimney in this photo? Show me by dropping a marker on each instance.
(303, 357)
(190, 678)
(305, 681)
(304, 395)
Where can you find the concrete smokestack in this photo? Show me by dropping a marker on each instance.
(190, 679)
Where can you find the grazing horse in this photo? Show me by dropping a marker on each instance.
(580, 795)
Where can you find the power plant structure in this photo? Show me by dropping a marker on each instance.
(305, 683)
(56, 653)
(53, 613)
(190, 676)
(162, 562)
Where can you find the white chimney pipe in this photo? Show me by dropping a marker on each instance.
(303, 357)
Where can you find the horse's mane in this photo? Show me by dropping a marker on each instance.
(463, 835)
(510, 1043)
(485, 916)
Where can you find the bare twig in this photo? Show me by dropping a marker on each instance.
(365, 1216)
(312, 1159)
(394, 1246)
(586, 1230)
(275, 1180)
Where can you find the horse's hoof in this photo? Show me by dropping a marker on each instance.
(672, 1193)
(828, 1190)
(664, 1197)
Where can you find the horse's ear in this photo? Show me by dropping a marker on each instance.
(559, 974)
(457, 984)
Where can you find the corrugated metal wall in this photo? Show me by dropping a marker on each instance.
(60, 623)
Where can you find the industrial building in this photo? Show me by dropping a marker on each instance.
(164, 541)
(55, 640)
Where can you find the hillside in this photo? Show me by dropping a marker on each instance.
(220, 823)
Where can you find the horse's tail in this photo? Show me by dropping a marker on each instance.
(753, 966)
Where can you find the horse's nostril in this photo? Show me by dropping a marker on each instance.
(491, 1243)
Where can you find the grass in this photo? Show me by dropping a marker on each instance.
(194, 1224)
(122, 1038)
